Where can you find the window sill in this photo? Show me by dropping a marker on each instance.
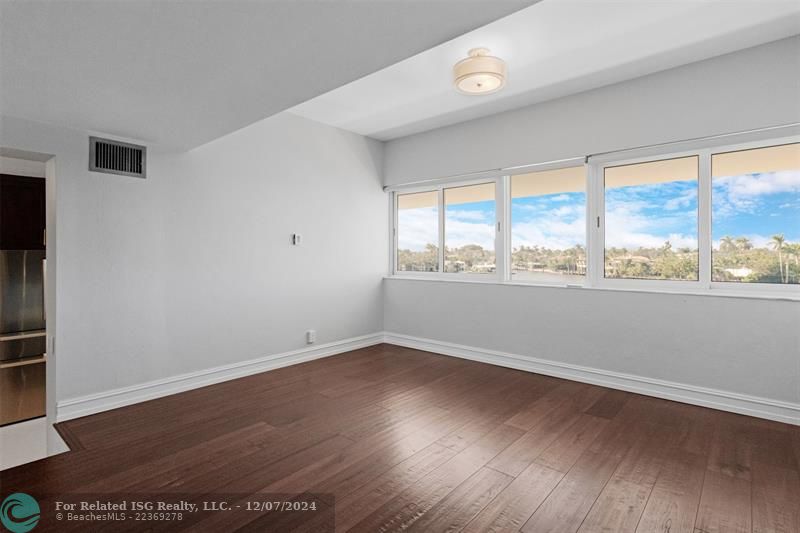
(714, 293)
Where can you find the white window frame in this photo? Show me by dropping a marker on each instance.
(704, 284)
(595, 225)
(542, 168)
(763, 289)
(393, 202)
(598, 229)
(499, 225)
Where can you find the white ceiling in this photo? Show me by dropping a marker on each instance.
(553, 48)
(183, 73)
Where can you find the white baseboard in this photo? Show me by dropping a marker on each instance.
(716, 399)
(103, 401)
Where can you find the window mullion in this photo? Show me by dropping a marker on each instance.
(502, 235)
(704, 219)
(595, 223)
(393, 241)
(441, 229)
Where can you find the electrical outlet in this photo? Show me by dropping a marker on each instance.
(311, 336)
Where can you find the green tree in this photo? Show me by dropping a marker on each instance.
(793, 250)
(727, 244)
(777, 244)
(426, 260)
(743, 243)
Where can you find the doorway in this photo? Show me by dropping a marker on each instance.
(27, 304)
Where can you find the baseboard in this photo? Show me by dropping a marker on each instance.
(716, 399)
(104, 401)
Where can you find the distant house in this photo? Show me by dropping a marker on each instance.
(454, 266)
(739, 272)
(484, 268)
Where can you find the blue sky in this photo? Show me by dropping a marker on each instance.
(647, 216)
(755, 206)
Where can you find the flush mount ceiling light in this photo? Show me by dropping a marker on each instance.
(479, 73)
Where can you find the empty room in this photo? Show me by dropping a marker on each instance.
(400, 265)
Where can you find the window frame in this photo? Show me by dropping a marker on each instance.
(571, 163)
(598, 229)
(394, 199)
(595, 223)
(765, 289)
(704, 284)
(500, 262)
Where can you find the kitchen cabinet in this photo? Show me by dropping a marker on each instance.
(22, 213)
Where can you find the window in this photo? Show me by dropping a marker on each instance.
(651, 217)
(724, 220)
(418, 232)
(756, 215)
(548, 225)
(469, 229)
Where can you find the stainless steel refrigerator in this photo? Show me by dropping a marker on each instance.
(22, 335)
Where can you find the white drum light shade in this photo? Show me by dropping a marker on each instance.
(479, 73)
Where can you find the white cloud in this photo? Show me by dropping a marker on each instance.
(481, 216)
(686, 199)
(633, 240)
(748, 185)
(627, 226)
(568, 211)
(559, 228)
(461, 233)
(530, 208)
(742, 194)
(419, 227)
(416, 228)
(549, 233)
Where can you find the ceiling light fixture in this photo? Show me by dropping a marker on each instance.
(479, 73)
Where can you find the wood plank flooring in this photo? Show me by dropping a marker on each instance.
(388, 438)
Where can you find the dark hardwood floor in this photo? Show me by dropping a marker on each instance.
(389, 438)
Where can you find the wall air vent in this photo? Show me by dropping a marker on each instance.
(114, 157)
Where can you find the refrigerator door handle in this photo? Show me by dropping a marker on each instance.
(44, 288)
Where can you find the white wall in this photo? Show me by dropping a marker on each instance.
(754, 88)
(236, 287)
(192, 268)
(746, 347)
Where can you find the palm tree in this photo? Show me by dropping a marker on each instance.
(726, 244)
(777, 244)
(794, 251)
(743, 243)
